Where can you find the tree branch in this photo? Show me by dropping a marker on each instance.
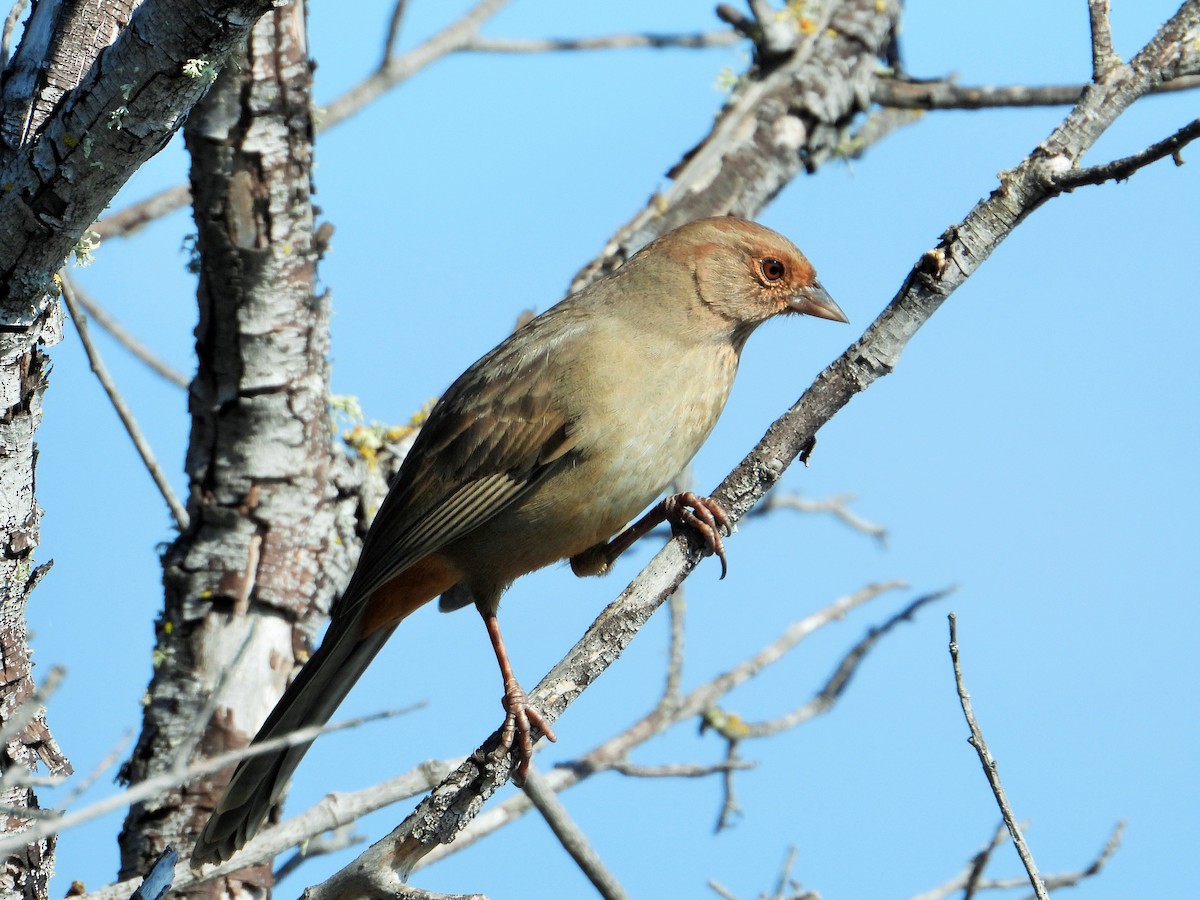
(701, 40)
(1103, 57)
(571, 836)
(124, 413)
(124, 336)
(942, 94)
(989, 768)
(1121, 169)
(120, 115)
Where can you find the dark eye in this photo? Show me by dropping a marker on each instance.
(772, 269)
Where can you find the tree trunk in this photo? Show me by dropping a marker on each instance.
(250, 581)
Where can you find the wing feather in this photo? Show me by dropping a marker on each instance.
(495, 435)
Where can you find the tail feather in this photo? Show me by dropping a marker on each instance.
(259, 781)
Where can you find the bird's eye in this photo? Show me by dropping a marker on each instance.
(772, 269)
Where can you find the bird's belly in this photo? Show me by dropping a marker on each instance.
(586, 502)
(627, 450)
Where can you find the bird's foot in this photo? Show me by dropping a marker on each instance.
(706, 516)
(516, 734)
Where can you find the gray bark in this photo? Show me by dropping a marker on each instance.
(251, 579)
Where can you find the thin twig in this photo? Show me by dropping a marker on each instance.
(173, 778)
(840, 679)
(721, 891)
(124, 337)
(978, 865)
(480, 44)
(677, 610)
(903, 93)
(571, 836)
(459, 37)
(400, 68)
(1053, 882)
(729, 804)
(10, 27)
(681, 770)
(1121, 169)
(785, 874)
(393, 32)
(123, 410)
(616, 749)
(110, 759)
(838, 505)
(989, 768)
(321, 845)
(127, 221)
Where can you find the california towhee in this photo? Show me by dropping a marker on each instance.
(541, 451)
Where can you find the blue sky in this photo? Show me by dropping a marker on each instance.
(1033, 449)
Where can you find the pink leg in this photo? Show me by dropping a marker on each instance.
(520, 718)
(687, 509)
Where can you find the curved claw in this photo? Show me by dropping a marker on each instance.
(706, 516)
(516, 735)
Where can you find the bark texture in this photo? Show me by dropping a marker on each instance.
(60, 44)
(251, 579)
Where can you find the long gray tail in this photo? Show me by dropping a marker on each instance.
(259, 781)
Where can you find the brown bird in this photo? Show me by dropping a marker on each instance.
(541, 451)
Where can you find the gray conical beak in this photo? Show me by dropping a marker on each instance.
(815, 301)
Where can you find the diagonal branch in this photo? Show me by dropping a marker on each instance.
(124, 413)
(125, 337)
(989, 768)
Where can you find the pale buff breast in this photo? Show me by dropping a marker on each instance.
(639, 427)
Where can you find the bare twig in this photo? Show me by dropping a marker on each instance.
(124, 337)
(837, 683)
(681, 770)
(947, 94)
(571, 836)
(729, 804)
(838, 505)
(785, 874)
(460, 37)
(677, 608)
(320, 845)
(125, 222)
(171, 779)
(393, 32)
(1053, 882)
(974, 874)
(400, 68)
(989, 768)
(614, 751)
(122, 408)
(1121, 169)
(480, 44)
(1103, 57)
(333, 812)
(786, 888)
(10, 27)
(110, 759)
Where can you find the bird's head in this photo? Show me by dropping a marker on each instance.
(746, 273)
